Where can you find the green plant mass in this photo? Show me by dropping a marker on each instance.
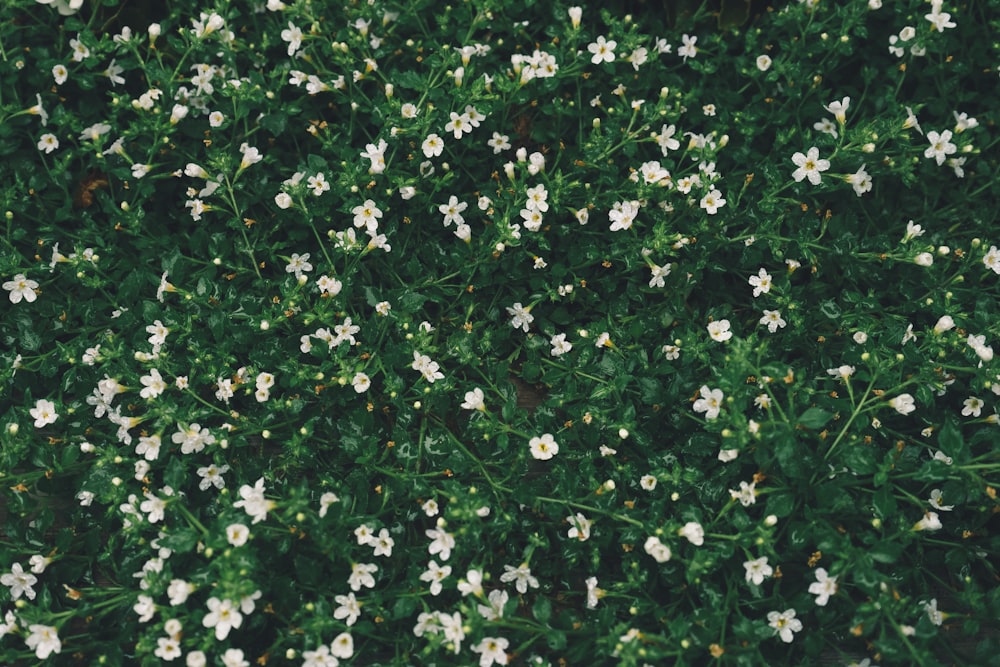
(399, 332)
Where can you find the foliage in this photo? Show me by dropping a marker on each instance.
(418, 333)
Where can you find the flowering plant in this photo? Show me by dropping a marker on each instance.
(401, 333)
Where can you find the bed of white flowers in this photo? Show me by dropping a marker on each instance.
(413, 333)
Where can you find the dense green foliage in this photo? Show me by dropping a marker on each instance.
(405, 333)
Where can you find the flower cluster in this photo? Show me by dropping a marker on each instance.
(360, 333)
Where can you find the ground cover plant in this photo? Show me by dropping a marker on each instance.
(417, 333)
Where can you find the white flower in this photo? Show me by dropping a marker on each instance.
(237, 534)
(178, 591)
(348, 610)
(223, 616)
(929, 522)
(764, 62)
(773, 320)
(982, 350)
(719, 331)
(575, 14)
(964, 122)
(167, 649)
(648, 482)
(342, 646)
(44, 640)
(710, 402)
(622, 215)
(903, 404)
(441, 542)
(757, 570)
(382, 544)
(433, 146)
(761, 283)
(452, 211)
(666, 140)
(434, 575)
(154, 507)
(861, 181)
(474, 400)
(21, 287)
(655, 548)
(809, 166)
(543, 448)
(361, 576)
(712, 202)
(253, 501)
(747, 495)
(361, 382)
(688, 50)
(19, 582)
(44, 413)
(602, 50)
(499, 143)
(992, 259)
(318, 184)
(521, 317)
(940, 146)
(293, 36)
(823, 587)
(694, 533)
(579, 527)
(785, 624)
(560, 345)
(48, 143)
(233, 657)
(935, 501)
(844, 372)
(839, 109)
(153, 384)
(972, 407)
(491, 649)
(521, 576)
(429, 369)
(458, 125)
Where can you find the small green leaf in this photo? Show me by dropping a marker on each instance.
(886, 552)
(542, 610)
(815, 418)
(182, 541)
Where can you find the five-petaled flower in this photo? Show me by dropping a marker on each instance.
(603, 50)
(823, 587)
(809, 166)
(543, 447)
(44, 412)
(785, 624)
(710, 402)
(21, 287)
(941, 146)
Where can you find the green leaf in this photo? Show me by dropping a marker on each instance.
(182, 541)
(884, 501)
(951, 441)
(30, 340)
(176, 474)
(275, 123)
(781, 503)
(815, 418)
(556, 640)
(886, 552)
(830, 309)
(542, 609)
